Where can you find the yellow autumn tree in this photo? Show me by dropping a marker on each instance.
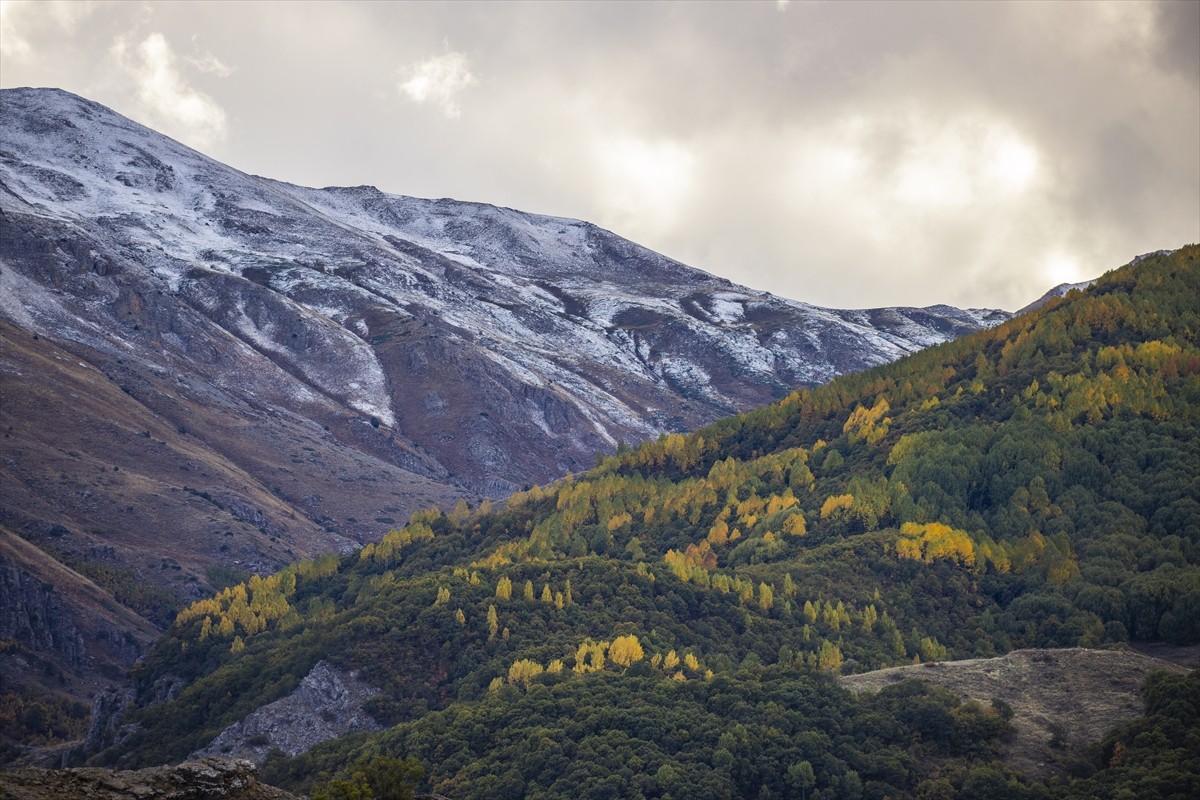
(625, 650)
(932, 650)
(868, 423)
(870, 617)
(766, 596)
(523, 671)
(795, 524)
(836, 503)
(934, 540)
(829, 657)
(589, 657)
(719, 532)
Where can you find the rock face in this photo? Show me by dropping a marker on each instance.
(108, 710)
(35, 617)
(1062, 699)
(327, 704)
(63, 634)
(209, 779)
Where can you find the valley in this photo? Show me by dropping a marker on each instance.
(376, 491)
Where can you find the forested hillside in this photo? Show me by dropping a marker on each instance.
(666, 625)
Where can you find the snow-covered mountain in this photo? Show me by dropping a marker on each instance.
(507, 347)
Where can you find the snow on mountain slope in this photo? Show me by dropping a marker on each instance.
(1058, 291)
(507, 346)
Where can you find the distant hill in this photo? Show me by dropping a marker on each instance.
(668, 623)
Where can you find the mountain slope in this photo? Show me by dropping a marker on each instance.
(1028, 486)
(418, 314)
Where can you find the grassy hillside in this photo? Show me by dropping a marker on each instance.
(666, 624)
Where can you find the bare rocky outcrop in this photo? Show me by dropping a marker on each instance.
(32, 614)
(108, 712)
(327, 704)
(207, 779)
(1062, 699)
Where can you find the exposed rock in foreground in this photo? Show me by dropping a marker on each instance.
(209, 779)
(1062, 700)
(327, 704)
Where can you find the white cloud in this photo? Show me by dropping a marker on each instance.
(438, 80)
(210, 64)
(962, 162)
(206, 62)
(918, 160)
(165, 98)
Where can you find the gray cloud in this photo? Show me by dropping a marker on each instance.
(1178, 26)
(843, 153)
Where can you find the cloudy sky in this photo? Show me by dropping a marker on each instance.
(847, 154)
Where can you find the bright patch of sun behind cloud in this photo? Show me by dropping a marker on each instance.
(642, 183)
(961, 162)
(1062, 268)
